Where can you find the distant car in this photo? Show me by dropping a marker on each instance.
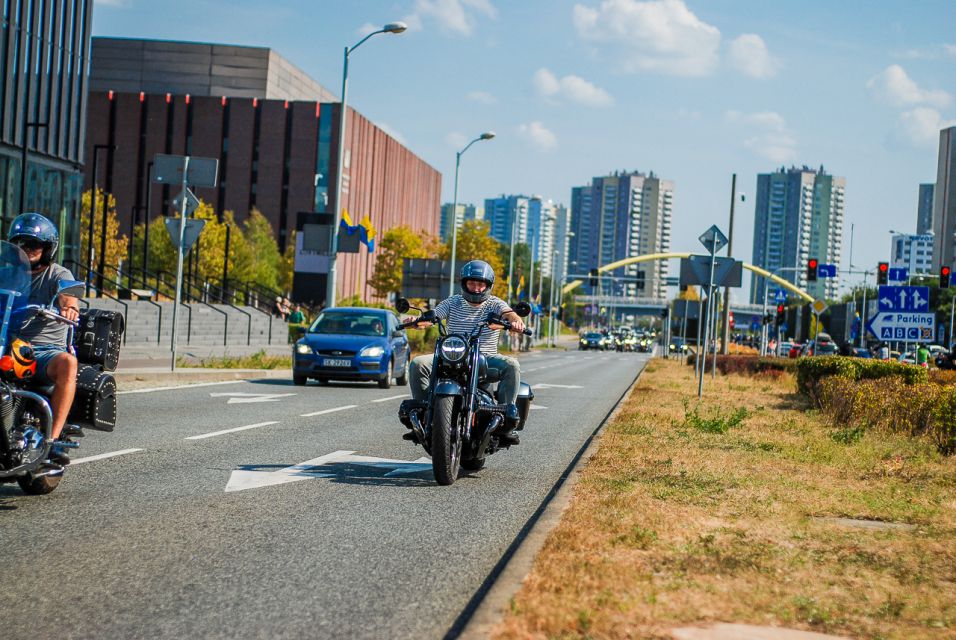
(677, 345)
(860, 352)
(783, 349)
(909, 357)
(823, 345)
(352, 343)
(591, 340)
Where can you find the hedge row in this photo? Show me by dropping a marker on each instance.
(746, 364)
(915, 409)
(812, 371)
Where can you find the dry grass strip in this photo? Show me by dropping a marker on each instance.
(729, 511)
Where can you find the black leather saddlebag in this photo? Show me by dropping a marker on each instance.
(98, 337)
(94, 406)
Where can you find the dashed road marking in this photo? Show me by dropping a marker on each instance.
(324, 411)
(103, 456)
(225, 431)
(405, 395)
(180, 386)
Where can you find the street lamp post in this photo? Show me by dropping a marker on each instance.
(392, 27)
(488, 135)
(89, 239)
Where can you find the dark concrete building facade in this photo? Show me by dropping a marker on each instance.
(277, 155)
(44, 57)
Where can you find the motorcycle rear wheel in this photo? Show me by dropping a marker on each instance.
(38, 486)
(473, 464)
(446, 453)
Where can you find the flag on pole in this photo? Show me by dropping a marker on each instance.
(520, 287)
(364, 229)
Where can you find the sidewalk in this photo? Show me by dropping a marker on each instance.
(142, 367)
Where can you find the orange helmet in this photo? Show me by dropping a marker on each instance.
(19, 360)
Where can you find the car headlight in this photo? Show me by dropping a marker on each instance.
(371, 352)
(453, 349)
(303, 348)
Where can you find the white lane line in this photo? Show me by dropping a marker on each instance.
(324, 411)
(180, 386)
(102, 456)
(391, 398)
(224, 431)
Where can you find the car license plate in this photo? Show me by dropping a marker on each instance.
(336, 362)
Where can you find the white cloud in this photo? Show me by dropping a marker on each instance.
(920, 127)
(111, 3)
(452, 16)
(456, 140)
(662, 36)
(749, 55)
(483, 97)
(368, 28)
(892, 85)
(766, 134)
(538, 135)
(933, 52)
(950, 49)
(572, 88)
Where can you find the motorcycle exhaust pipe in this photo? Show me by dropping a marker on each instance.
(496, 421)
(417, 427)
(52, 471)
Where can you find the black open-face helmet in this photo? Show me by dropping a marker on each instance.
(38, 227)
(477, 270)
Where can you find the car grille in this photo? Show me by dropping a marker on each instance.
(335, 353)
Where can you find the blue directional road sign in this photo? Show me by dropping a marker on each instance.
(904, 298)
(780, 296)
(826, 271)
(905, 326)
(898, 274)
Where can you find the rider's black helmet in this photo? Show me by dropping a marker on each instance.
(477, 270)
(38, 227)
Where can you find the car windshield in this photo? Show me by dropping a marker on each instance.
(349, 323)
(593, 336)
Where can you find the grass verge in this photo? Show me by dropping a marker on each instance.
(725, 511)
(257, 360)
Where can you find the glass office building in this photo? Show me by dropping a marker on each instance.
(44, 51)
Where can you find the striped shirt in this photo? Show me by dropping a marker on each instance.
(461, 317)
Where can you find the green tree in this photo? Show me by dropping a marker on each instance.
(262, 243)
(397, 244)
(117, 245)
(475, 243)
(287, 264)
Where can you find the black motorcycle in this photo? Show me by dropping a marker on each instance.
(459, 423)
(26, 419)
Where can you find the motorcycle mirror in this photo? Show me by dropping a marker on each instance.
(72, 288)
(402, 306)
(523, 309)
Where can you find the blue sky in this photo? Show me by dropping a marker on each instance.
(693, 90)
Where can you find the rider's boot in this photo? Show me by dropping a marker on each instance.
(511, 422)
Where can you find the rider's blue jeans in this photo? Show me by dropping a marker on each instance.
(509, 369)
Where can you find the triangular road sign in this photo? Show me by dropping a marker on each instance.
(194, 227)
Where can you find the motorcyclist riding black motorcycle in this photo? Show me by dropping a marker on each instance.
(462, 313)
(37, 237)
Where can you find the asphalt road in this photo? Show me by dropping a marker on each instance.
(195, 527)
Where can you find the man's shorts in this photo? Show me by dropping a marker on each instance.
(44, 354)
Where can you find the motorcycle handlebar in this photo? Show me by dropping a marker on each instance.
(50, 315)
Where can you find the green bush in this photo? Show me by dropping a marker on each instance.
(811, 371)
(944, 417)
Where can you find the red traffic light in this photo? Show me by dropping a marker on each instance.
(812, 263)
(884, 267)
(944, 271)
(780, 308)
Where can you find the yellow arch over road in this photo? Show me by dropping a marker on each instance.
(574, 284)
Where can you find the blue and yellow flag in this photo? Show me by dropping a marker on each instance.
(520, 287)
(365, 229)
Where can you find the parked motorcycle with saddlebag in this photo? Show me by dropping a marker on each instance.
(459, 423)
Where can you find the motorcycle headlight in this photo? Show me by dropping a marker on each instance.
(303, 348)
(371, 352)
(453, 349)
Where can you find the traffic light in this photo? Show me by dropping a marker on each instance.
(664, 312)
(781, 313)
(944, 277)
(768, 319)
(812, 264)
(594, 278)
(882, 272)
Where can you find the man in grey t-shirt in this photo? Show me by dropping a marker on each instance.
(462, 313)
(38, 239)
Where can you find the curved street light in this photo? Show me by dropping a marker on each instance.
(487, 135)
(391, 27)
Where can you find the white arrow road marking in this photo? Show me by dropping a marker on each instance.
(224, 431)
(545, 385)
(242, 479)
(390, 398)
(537, 406)
(103, 456)
(241, 397)
(324, 411)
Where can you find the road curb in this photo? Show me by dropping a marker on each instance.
(489, 604)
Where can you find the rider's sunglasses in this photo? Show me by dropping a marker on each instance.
(29, 244)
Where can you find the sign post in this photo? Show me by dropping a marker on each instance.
(200, 172)
(713, 240)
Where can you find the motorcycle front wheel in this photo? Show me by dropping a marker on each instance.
(446, 446)
(38, 486)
